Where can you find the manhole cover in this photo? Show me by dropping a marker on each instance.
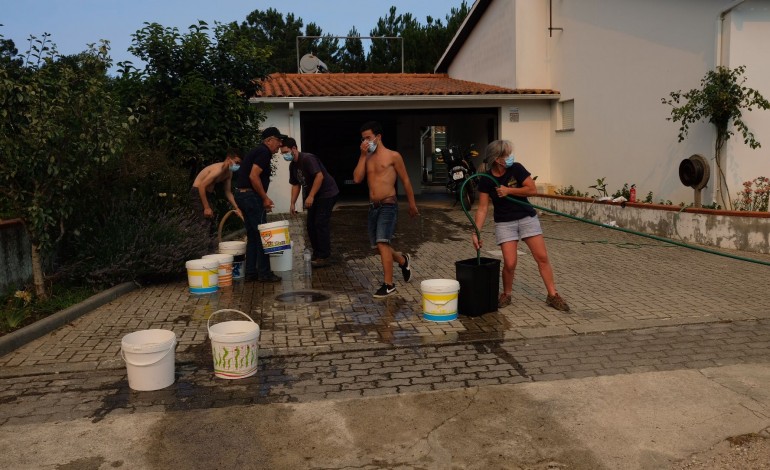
(302, 296)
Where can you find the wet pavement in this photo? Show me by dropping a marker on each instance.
(637, 306)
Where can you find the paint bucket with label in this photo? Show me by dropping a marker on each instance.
(439, 299)
(225, 273)
(234, 346)
(238, 250)
(203, 275)
(275, 236)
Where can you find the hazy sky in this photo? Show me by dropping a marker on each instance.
(75, 23)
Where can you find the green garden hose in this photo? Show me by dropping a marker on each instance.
(580, 219)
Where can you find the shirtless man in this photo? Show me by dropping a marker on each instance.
(381, 166)
(204, 183)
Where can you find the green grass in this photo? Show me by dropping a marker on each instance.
(16, 313)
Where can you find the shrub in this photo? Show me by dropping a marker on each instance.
(144, 239)
(570, 191)
(754, 196)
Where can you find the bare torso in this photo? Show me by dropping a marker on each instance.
(217, 171)
(381, 174)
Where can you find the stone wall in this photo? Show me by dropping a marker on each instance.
(15, 254)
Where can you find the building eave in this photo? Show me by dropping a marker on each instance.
(406, 98)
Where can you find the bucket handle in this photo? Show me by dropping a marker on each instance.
(123, 356)
(439, 302)
(208, 323)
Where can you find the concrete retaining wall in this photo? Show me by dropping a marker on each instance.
(736, 230)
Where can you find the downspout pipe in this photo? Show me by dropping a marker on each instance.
(291, 119)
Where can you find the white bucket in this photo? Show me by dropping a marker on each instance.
(275, 236)
(439, 299)
(238, 250)
(149, 356)
(225, 274)
(203, 275)
(281, 261)
(234, 346)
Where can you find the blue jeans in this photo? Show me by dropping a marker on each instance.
(318, 227)
(254, 214)
(382, 223)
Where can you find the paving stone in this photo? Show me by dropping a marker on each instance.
(351, 345)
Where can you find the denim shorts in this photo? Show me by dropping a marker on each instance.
(517, 229)
(382, 223)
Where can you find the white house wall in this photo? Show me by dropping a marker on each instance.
(530, 136)
(489, 53)
(617, 59)
(749, 33)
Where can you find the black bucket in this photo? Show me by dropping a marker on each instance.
(479, 285)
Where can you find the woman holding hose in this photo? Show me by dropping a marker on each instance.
(513, 221)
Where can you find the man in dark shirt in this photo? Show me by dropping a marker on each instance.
(251, 197)
(319, 193)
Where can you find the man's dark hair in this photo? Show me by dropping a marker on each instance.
(373, 126)
(289, 142)
(233, 152)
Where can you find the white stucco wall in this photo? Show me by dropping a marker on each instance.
(489, 53)
(749, 35)
(530, 136)
(616, 59)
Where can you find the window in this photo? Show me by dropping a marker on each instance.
(566, 117)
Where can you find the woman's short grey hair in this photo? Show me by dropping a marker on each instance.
(497, 149)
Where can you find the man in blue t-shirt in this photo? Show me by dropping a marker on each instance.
(251, 197)
(319, 194)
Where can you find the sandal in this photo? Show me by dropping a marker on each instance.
(557, 302)
(504, 300)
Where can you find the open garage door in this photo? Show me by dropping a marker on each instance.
(334, 137)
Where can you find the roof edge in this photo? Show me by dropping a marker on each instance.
(411, 98)
(477, 11)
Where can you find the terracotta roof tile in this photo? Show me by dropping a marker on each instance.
(296, 85)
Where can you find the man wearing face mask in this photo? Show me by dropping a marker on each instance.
(251, 196)
(319, 193)
(382, 167)
(513, 221)
(205, 182)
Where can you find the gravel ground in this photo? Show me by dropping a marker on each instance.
(747, 452)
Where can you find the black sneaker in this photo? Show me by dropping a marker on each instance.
(270, 278)
(406, 271)
(385, 290)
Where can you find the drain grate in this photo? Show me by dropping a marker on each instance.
(302, 296)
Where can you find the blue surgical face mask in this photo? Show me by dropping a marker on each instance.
(288, 156)
(509, 161)
(235, 167)
(372, 146)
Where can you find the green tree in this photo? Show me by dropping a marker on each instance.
(59, 124)
(327, 48)
(385, 54)
(720, 100)
(423, 44)
(351, 57)
(277, 35)
(194, 90)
